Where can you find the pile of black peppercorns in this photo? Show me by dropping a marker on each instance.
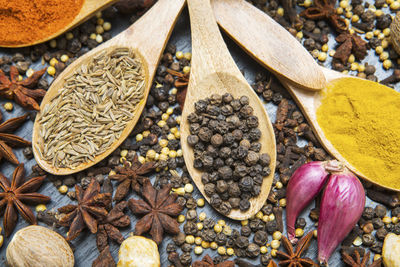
(224, 135)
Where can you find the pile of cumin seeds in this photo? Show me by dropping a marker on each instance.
(92, 109)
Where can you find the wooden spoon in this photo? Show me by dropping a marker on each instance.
(275, 37)
(226, 13)
(89, 7)
(214, 71)
(148, 36)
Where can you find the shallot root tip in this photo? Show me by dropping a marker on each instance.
(334, 166)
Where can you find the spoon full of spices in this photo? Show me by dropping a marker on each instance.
(213, 71)
(354, 119)
(74, 15)
(94, 104)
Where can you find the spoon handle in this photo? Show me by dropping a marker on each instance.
(209, 51)
(268, 42)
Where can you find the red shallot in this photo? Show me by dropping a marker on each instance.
(341, 207)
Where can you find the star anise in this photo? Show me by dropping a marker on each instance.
(130, 176)
(325, 9)
(180, 83)
(8, 140)
(208, 262)
(90, 209)
(293, 258)
(350, 43)
(15, 196)
(357, 262)
(105, 259)
(158, 207)
(108, 226)
(19, 90)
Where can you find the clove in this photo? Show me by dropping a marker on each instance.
(242, 263)
(390, 200)
(394, 78)
(350, 250)
(174, 258)
(290, 10)
(278, 218)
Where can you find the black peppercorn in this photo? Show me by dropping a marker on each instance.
(381, 233)
(260, 238)
(241, 242)
(245, 231)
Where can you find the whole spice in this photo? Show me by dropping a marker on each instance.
(92, 109)
(207, 261)
(89, 210)
(350, 43)
(137, 251)
(357, 262)
(15, 195)
(293, 257)
(343, 201)
(391, 250)
(39, 246)
(359, 118)
(20, 91)
(24, 21)
(8, 140)
(158, 208)
(130, 176)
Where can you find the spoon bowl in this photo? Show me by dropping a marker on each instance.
(147, 37)
(214, 71)
(89, 7)
(309, 101)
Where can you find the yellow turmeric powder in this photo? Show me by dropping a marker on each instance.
(362, 121)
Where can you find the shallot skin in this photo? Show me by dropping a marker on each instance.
(304, 185)
(341, 207)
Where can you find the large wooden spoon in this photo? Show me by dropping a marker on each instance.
(214, 71)
(89, 7)
(148, 36)
(226, 13)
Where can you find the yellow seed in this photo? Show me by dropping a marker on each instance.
(244, 222)
(200, 202)
(198, 250)
(177, 135)
(271, 217)
(282, 202)
(53, 43)
(385, 43)
(174, 91)
(378, 13)
(387, 64)
(122, 159)
(161, 123)
(386, 32)
(180, 191)
(189, 239)
(170, 111)
(221, 250)
(361, 68)
(141, 159)
(188, 187)
(307, 3)
(205, 244)
(315, 53)
(64, 58)
(198, 240)
(379, 50)
(263, 249)
(181, 218)
(99, 38)
(40, 207)
(69, 35)
(187, 56)
(221, 222)
(280, 11)
(352, 31)
(277, 235)
(99, 29)
(299, 35)
(179, 55)
(299, 232)
(200, 226)
(8, 106)
(377, 257)
(172, 154)
(174, 130)
(395, 220)
(63, 189)
(275, 244)
(265, 218)
(376, 32)
(381, 36)
(369, 35)
(315, 233)
(384, 56)
(325, 48)
(107, 26)
(53, 61)
(218, 228)
(186, 69)
(322, 56)
(343, 4)
(273, 252)
(227, 230)
(213, 245)
(179, 153)
(332, 53)
(112, 172)
(151, 153)
(339, 11)
(1, 241)
(259, 215)
(164, 116)
(395, 5)
(178, 119)
(348, 15)
(93, 36)
(351, 59)
(100, 21)
(170, 136)
(124, 153)
(202, 216)
(157, 157)
(345, 72)
(230, 251)
(357, 242)
(145, 134)
(355, 18)
(354, 66)
(98, 14)
(163, 142)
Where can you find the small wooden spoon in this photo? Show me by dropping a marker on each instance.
(214, 71)
(148, 36)
(226, 13)
(282, 47)
(89, 7)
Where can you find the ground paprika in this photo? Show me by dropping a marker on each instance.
(25, 21)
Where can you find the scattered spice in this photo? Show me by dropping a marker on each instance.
(130, 176)
(355, 261)
(104, 259)
(293, 258)
(158, 208)
(181, 83)
(8, 140)
(20, 91)
(350, 43)
(359, 118)
(207, 261)
(15, 195)
(89, 210)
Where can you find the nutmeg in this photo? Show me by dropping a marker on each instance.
(40, 247)
(391, 251)
(138, 251)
